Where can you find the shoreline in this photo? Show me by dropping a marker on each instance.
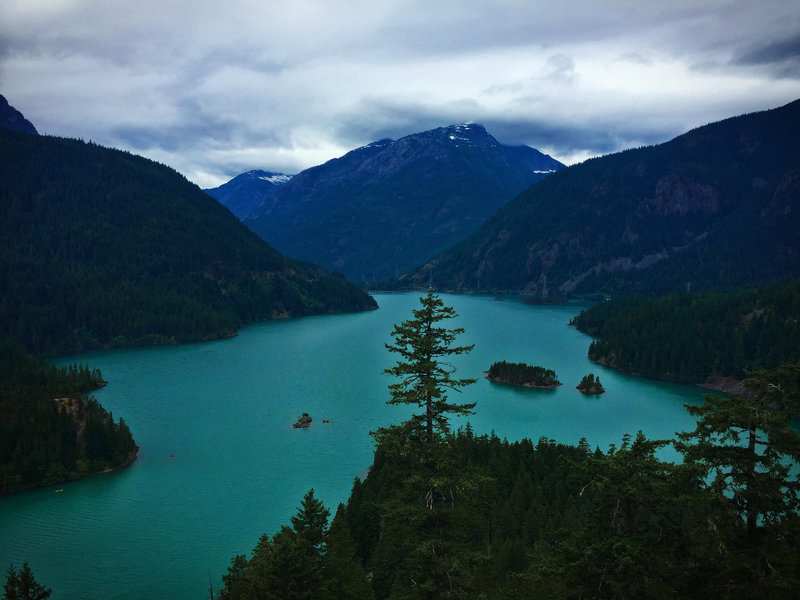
(723, 384)
(131, 458)
(526, 385)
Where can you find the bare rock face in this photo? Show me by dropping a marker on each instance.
(676, 196)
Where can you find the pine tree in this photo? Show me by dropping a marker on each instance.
(749, 450)
(422, 343)
(23, 586)
(343, 576)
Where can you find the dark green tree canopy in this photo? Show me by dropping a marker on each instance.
(21, 585)
(748, 445)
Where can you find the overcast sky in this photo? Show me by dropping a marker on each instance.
(213, 88)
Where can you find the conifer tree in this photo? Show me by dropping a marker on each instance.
(344, 578)
(23, 586)
(750, 451)
(422, 343)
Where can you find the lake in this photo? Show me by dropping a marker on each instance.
(220, 463)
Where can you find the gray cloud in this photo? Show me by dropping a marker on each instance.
(216, 88)
(781, 57)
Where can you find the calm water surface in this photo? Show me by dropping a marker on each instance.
(220, 463)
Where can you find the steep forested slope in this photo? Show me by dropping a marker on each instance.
(103, 247)
(716, 207)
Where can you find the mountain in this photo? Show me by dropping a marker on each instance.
(715, 208)
(387, 207)
(11, 118)
(101, 247)
(245, 192)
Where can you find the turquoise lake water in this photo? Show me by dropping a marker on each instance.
(220, 463)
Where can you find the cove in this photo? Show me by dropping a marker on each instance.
(220, 463)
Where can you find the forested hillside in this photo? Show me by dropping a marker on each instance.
(101, 247)
(50, 429)
(715, 208)
(694, 337)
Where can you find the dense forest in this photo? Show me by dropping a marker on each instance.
(535, 520)
(693, 337)
(51, 430)
(102, 247)
(522, 374)
(457, 515)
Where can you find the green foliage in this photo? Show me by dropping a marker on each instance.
(104, 248)
(422, 344)
(693, 337)
(750, 453)
(522, 374)
(21, 585)
(50, 429)
(305, 561)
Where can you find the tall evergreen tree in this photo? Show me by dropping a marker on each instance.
(751, 453)
(422, 343)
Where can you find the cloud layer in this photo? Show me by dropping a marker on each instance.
(214, 88)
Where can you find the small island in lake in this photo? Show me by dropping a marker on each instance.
(523, 375)
(303, 421)
(590, 385)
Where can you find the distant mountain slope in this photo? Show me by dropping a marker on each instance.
(717, 207)
(11, 118)
(245, 192)
(102, 247)
(385, 208)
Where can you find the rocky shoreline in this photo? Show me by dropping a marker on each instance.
(525, 385)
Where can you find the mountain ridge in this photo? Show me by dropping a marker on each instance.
(246, 191)
(714, 208)
(12, 119)
(385, 207)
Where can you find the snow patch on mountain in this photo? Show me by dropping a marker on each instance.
(277, 178)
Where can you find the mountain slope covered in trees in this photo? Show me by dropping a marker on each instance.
(717, 207)
(102, 247)
(387, 207)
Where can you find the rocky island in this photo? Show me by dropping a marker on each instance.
(303, 421)
(590, 385)
(523, 375)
